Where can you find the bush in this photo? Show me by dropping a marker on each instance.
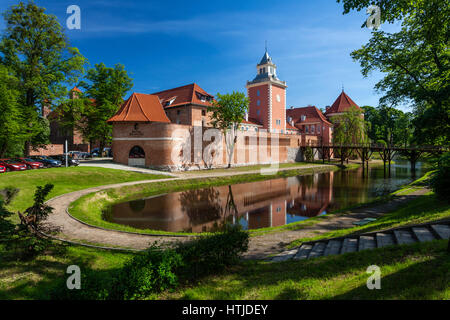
(214, 252)
(309, 154)
(93, 287)
(151, 272)
(159, 269)
(440, 179)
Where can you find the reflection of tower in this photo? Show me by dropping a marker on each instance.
(267, 96)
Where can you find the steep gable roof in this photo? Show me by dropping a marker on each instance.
(140, 107)
(342, 104)
(189, 94)
(312, 113)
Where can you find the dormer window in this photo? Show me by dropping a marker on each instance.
(169, 102)
(303, 117)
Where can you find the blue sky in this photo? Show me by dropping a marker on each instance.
(217, 44)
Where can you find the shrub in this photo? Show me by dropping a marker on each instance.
(150, 272)
(159, 269)
(93, 287)
(440, 179)
(214, 252)
(309, 154)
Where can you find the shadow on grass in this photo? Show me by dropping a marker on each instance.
(41, 276)
(416, 271)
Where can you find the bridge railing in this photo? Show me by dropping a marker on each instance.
(379, 146)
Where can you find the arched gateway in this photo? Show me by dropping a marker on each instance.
(136, 157)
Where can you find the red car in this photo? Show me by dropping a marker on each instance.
(13, 165)
(2, 169)
(30, 163)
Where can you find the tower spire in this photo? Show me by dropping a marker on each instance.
(266, 45)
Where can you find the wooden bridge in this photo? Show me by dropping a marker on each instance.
(365, 151)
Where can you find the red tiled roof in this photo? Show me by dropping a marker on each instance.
(342, 104)
(75, 89)
(252, 121)
(183, 95)
(312, 113)
(289, 127)
(140, 107)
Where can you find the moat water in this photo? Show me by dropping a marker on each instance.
(261, 204)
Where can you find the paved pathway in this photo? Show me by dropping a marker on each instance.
(111, 165)
(76, 231)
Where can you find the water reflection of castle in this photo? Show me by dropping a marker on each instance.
(255, 205)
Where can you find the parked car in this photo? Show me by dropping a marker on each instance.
(106, 152)
(2, 169)
(13, 165)
(47, 161)
(71, 161)
(85, 155)
(30, 163)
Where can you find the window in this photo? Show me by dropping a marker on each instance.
(303, 117)
(318, 128)
(203, 112)
(278, 98)
(178, 111)
(258, 112)
(278, 122)
(312, 128)
(306, 129)
(258, 93)
(258, 103)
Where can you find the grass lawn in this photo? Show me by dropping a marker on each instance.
(419, 271)
(33, 278)
(423, 209)
(64, 180)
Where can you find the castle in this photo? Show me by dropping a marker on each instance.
(152, 130)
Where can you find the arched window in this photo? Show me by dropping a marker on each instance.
(136, 152)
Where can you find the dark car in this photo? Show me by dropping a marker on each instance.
(2, 169)
(30, 163)
(47, 161)
(13, 165)
(107, 152)
(70, 160)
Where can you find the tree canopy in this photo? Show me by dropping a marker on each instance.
(105, 90)
(36, 50)
(414, 61)
(227, 113)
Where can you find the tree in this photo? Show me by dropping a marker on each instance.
(36, 50)
(349, 128)
(228, 112)
(415, 61)
(106, 88)
(10, 124)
